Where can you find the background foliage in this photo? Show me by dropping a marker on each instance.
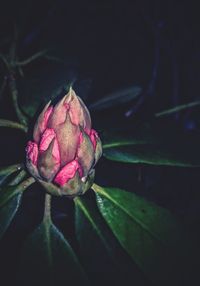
(136, 65)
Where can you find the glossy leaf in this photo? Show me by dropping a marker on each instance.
(154, 155)
(152, 146)
(48, 259)
(116, 98)
(150, 234)
(103, 257)
(7, 171)
(7, 213)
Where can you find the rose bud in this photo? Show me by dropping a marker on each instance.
(64, 149)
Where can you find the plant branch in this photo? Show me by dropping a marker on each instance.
(52, 58)
(12, 124)
(32, 58)
(25, 184)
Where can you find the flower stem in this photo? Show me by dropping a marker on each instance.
(47, 208)
(25, 184)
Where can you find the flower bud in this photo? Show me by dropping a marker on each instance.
(64, 149)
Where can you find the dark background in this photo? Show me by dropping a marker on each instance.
(105, 46)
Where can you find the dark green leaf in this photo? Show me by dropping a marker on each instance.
(8, 192)
(155, 155)
(150, 234)
(7, 213)
(48, 259)
(96, 240)
(152, 146)
(7, 171)
(116, 98)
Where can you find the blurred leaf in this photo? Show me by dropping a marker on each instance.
(150, 234)
(116, 98)
(7, 213)
(149, 145)
(96, 240)
(177, 108)
(48, 259)
(7, 171)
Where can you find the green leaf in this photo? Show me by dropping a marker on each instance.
(96, 240)
(154, 155)
(87, 216)
(116, 98)
(7, 171)
(8, 192)
(7, 213)
(148, 145)
(48, 259)
(150, 234)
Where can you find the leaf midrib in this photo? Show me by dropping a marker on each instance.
(47, 226)
(124, 143)
(98, 189)
(87, 215)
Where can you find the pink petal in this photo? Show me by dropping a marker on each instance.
(78, 112)
(41, 123)
(46, 139)
(80, 139)
(68, 172)
(93, 137)
(59, 113)
(46, 116)
(56, 151)
(85, 152)
(68, 137)
(32, 152)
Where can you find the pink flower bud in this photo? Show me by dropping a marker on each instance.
(67, 173)
(64, 149)
(32, 152)
(93, 137)
(46, 139)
